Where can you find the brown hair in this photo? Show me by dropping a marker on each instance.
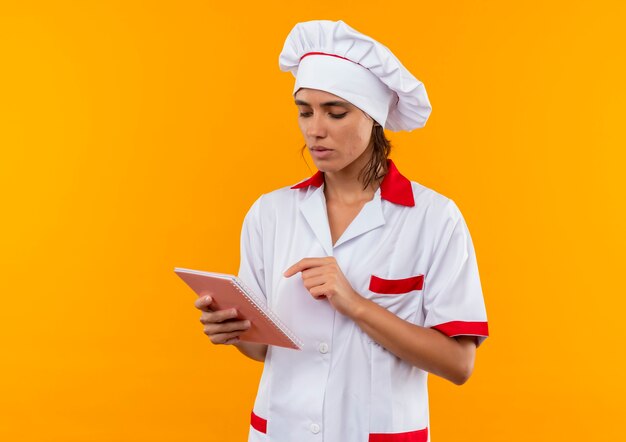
(378, 160)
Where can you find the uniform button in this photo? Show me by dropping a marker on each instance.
(323, 348)
(315, 428)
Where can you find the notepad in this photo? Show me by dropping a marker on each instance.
(228, 291)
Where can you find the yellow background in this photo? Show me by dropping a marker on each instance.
(134, 135)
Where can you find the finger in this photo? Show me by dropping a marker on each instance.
(204, 303)
(292, 270)
(226, 327)
(218, 316)
(303, 264)
(309, 283)
(319, 291)
(222, 338)
(314, 271)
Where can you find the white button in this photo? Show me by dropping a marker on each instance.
(323, 347)
(315, 428)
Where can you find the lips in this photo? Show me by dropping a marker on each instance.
(321, 152)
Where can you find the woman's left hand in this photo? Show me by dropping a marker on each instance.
(322, 277)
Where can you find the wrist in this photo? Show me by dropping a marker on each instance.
(359, 307)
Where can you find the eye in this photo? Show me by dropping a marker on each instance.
(335, 116)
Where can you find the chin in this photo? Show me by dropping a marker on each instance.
(324, 166)
(330, 166)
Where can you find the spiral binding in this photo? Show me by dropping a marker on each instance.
(276, 322)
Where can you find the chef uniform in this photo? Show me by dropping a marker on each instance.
(408, 250)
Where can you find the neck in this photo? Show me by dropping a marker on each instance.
(345, 187)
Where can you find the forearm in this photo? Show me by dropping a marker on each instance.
(425, 348)
(252, 350)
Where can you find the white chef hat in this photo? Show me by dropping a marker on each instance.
(333, 57)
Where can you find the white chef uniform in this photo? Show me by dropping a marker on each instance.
(410, 251)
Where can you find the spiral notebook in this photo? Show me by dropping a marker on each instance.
(229, 291)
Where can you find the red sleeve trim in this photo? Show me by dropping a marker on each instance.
(258, 423)
(396, 286)
(455, 328)
(411, 436)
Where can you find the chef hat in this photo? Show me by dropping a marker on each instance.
(333, 57)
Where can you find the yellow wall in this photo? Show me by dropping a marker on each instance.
(134, 136)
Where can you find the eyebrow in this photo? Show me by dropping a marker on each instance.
(326, 104)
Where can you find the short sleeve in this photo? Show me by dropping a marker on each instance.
(453, 297)
(251, 266)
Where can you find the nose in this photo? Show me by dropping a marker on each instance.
(315, 126)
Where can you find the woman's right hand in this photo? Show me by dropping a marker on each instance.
(220, 325)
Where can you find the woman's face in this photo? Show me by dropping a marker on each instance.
(335, 131)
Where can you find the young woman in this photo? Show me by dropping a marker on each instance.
(375, 273)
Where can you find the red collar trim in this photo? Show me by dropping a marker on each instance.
(394, 187)
(316, 180)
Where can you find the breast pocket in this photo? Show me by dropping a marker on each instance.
(401, 296)
(400, 286)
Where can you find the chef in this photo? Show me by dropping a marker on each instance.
(374, 272)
